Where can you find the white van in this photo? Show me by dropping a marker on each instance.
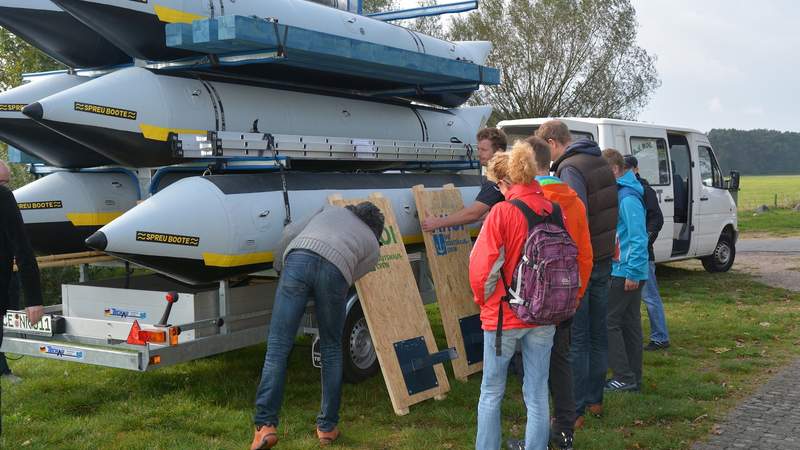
(679, 163)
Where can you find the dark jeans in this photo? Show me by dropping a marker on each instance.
(589, 349)
(625, 331)
(305, 274)
(560, 381)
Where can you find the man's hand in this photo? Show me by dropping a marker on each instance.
(34, 313)
(631, 285)
(431, 223)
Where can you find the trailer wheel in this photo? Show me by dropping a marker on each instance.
(360, 359)
(722, 258)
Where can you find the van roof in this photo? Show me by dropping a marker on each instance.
(594, 121)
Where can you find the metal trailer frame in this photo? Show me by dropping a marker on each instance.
(101, 341)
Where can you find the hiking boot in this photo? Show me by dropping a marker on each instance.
(327, 437)
(595, 409)
(655, 346)
(620, 386)
(561, 441)
(579, 422)
(266, 436)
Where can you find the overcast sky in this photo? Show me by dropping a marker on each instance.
(722, 63)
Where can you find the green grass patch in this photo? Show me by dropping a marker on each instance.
(775, 222)
(766, 190)
(728, 334)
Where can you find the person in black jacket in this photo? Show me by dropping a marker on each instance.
(659, 336)
(15, 248)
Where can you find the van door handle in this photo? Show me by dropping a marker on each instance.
(668, 199)
(703, 199)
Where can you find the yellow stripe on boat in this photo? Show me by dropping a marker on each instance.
(245, 259)
(92, 219)
(160, 133)
(170, 15)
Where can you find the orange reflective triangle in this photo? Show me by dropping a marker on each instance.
(135, 336)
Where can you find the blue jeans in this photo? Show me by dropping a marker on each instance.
(655, 308)
(536, 344)
(305, 274)
(589, 350)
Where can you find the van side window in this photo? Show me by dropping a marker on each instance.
(709, 169)
(653, 159)
(522, 132)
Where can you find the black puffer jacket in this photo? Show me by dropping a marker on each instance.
(14, 244)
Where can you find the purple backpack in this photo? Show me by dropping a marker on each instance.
(544, 289)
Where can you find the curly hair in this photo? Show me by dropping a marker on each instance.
(515, 167)
(370, 215)
(495, 136)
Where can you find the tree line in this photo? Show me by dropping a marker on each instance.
(757, 152)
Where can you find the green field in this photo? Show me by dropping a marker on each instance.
(728, 334)
(762, 190)
(783, 190)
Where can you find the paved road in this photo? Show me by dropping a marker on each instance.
(770, 419)
(781, 245)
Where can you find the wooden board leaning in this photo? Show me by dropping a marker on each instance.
(448, 251)
(396, 317)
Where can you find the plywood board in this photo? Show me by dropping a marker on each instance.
(394, 311)
(447, 250)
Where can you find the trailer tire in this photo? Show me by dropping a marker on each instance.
(360, 358)
(723, 256)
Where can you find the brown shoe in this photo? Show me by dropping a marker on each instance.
(327, 437)
(579, 423)
(266, 436)
(596, 409)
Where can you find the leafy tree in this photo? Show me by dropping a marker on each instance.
(757, 152)
(18, 57)
(562, 57)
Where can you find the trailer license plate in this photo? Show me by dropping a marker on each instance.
(17, 321)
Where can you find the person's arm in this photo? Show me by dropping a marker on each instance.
(636, 258)
(289, 233)
(487, 258)
(367, 264)
(575, 180)
(14, 228)
(655, 219)
(470, 214)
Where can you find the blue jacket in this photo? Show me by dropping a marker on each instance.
(632, 259)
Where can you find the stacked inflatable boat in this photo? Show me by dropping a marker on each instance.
(269, 88)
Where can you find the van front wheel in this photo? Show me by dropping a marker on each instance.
(722, 258)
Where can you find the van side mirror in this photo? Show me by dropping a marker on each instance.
(732, 183)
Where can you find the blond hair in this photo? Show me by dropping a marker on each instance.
(614, 158)
(516, 167)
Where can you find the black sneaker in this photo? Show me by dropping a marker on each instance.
(655, 346)
(561, 441)
(620, 386)
(515, 444)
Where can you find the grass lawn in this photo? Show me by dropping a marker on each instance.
(728, 334)
(775, 222)
(760, 190)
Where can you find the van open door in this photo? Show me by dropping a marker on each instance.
(649, 146)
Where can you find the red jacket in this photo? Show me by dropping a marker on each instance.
(500, 244)
(577, 224)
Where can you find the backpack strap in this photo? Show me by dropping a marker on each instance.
(534, 219)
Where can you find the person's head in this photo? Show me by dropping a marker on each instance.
(556, 134)
(631, 163)
(370, 215)
(490, 141)
(615, 160)
(5, 174)
(541, 154)
(510, 168)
